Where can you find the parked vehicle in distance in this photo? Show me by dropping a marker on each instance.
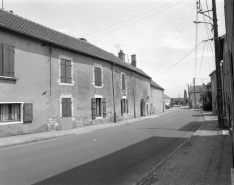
(167, 106)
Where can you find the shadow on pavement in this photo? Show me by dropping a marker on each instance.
(125, 166)
(191, 127)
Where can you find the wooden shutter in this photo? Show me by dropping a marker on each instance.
(93, 106)
(68, 105)
(64, 107)
(96, 76)
(127, 105)
(63, 71)
(8, 60)
(104, 107)
(123, 82)
(1, 59)
(68, 72)
(100, 76)
(122, 107)
(28, 112)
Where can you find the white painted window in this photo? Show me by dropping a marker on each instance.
(11, 113)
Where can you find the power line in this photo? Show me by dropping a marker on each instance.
(135, 21)
(126, 20)
(201, 59)
(180, 59)
(176, 38)
(173, 35)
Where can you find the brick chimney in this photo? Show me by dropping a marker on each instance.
(121, 55)
(133, 60)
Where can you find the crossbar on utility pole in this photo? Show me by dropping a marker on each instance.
(217, 64)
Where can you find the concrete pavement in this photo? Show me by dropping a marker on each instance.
(35, 137)
(206, 158)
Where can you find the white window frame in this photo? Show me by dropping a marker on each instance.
(100, 66)
(72, 71)
(72, 105)
(21, 113)
(125, 81)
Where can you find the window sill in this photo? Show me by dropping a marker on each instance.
(8, 78)
(99, 87)
(10, 123)
(66, 84)
(99, 118)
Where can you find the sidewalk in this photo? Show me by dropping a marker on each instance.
(204, 159)
(35, 137)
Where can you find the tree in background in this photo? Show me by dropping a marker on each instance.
(185, 94)
(206, 97)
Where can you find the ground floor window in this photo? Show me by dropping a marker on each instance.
(98, 107)
(124, 106)
(66, 107)
(10, 112)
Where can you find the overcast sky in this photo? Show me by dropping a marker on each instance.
(159, 32)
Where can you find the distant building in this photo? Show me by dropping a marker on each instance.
(195, 95)
(167, 99)
(214, 91)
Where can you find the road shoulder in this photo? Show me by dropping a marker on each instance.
(203, 159)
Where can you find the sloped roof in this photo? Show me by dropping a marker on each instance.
(26, 27)
(208, 85)
(154, 84)
(198, 89)
(166, 97)
(212, 73)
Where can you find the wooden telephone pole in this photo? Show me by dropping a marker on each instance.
(217, 64)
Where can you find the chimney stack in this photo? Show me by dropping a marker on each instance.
(121, 55)
(133, 60)
(11, 11)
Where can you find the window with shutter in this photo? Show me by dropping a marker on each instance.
(10, 112)
(66, 107)
(127, 106)
(7, 56)
(123, 82)
(122, 111)
(97, 76)
(28, 112)
(104, 107)
(93, 105)
(66, 71)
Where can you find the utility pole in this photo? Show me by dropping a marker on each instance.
(188, 96)
(217, 64)
(194, 92)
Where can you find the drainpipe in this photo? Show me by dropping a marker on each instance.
(134, 103)
(113, 89)
(50, 51)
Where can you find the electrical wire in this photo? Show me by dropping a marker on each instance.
(201, 58)
(135, 21)
(172, 36)
(180, 60)
(127, 19)
(176, 39)
(209, 33)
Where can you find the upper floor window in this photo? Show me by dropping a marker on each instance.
(66, 71)
(97, 76)
(123, 79)
(7, 56)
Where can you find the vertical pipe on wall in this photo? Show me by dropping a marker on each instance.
(50, 51)
(113, 89)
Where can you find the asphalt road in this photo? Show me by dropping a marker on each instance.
(120, 155)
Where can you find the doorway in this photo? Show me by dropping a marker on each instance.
(142, 107)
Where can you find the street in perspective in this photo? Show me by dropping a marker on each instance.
(116, 92)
